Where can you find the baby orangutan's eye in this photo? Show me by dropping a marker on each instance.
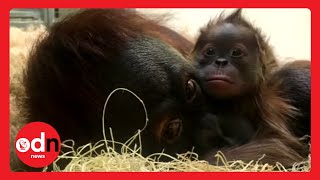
(210, 52)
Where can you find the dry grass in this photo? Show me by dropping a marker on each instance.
(88, 158)
(21, 42)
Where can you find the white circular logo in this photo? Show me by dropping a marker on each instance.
(22, 145)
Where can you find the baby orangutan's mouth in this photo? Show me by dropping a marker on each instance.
(219, 79)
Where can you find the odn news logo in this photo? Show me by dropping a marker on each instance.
(37, 144)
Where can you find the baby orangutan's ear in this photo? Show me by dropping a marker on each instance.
(193, 91)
